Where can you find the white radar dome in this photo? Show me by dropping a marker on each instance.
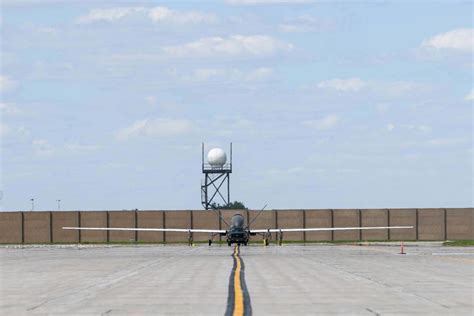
(216, 157)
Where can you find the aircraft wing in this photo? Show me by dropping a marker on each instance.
(178, 230)
(282, 230)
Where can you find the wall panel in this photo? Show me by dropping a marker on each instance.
(205, 220)
(346, 218)
(124, 219)
(290, 219)
(403, 217)
(10, 227)
(431, 224)
(37, 227)
(318, 219)
(150, 219)
(93, 219)
(374, 218)
(62, 219)
(460, 223)
(266, 220)
(177, 219)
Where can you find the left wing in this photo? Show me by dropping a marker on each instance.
(278, 230)
(179, 230)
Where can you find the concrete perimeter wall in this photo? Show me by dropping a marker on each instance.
(46, 227)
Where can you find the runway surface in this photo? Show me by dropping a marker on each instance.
(287, 280)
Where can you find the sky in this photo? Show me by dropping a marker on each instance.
(329, 104)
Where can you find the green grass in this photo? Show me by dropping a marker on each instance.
(459, 243)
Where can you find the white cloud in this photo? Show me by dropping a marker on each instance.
(357, 85)
(232, 46)
(395, 88)
(163, 14)
(205, 74)
(459, 40)
(9, 109)
(345, 85)
(156, 127)
(259, 74)
(382, 108)
(21, 130)
(108, 15)
(41, 147)
(293, 171)
(324, 123)
(151, 99)
(302, 24)
(4, 130)
(156, 15)
(295, 28)
(441, 142)
(76, 147)
(254, 2)
(470, 96)
(420, 128)
(6, 84)
(226, 125)
(233, 74)
(42, 70)
(47, 30)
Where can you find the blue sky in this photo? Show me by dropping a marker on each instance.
(104, 104)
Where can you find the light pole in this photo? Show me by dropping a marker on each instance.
(32, 204)
(59, 204)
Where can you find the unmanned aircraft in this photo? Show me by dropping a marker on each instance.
(237, 232)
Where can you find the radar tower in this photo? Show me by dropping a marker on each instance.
(216, 183)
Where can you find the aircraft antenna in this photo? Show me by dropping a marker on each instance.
(220, 216)
(258, 214)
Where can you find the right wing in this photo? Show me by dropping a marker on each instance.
(281, 230)
(179, 230)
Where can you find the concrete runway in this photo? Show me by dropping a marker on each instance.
(287, 280)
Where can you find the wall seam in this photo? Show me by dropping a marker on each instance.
(22, 227)
(304, 226)
(79, 237)
(136, 226)
(445, 225)
(416, 224)
(388, 223)
(332, 224)
(164, 226)
(107, 225)
(50, 227)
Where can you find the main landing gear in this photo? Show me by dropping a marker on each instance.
(211, 238)
(267, 236)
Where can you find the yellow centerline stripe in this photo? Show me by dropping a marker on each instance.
(238, 293)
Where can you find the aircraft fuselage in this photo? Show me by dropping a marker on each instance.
(238, 233)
